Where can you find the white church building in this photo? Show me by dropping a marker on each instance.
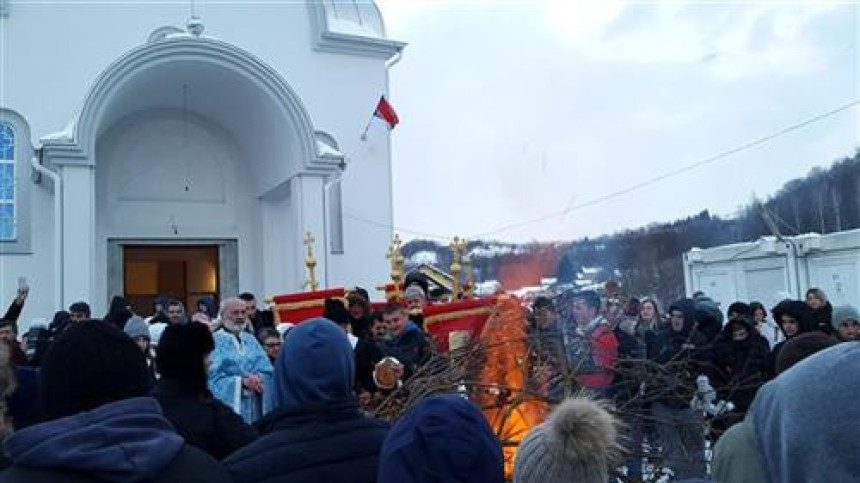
(154, 148)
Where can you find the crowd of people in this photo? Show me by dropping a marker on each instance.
(227, 393)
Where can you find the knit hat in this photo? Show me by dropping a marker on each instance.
(136, 327)
(413, 292)
(577, 443)
(843, 313)
(88, 365)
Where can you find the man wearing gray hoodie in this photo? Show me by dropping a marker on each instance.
(796, 431)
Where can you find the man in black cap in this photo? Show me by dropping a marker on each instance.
(101, 424)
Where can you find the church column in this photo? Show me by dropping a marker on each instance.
(78, 233)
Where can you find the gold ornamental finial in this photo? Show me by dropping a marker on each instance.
(456, 267)
(311, 263)
(467, 267)
(398, 262)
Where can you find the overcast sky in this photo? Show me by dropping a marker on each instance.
(520, 109)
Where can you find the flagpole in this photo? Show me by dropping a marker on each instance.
(367, 127)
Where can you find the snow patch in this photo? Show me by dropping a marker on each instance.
(424, 257)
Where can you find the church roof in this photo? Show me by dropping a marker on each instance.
(354, 17)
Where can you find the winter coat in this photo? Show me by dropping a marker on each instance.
(411, 348)
(802, 313)
(23, 404)
(444, 438)
(591, 353)
(317, 432)
(684, 353)
(735, 456)
(823, 318)
(631, 349)
(361, 326)
(126, 441)
(740, 368)
(546, 359)
(804, 420)
(202, 420)
(367, 353)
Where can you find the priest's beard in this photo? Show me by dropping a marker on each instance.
(235, 327)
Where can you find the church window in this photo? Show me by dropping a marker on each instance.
(8, 231)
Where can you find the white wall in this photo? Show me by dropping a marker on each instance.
(57, 50)
(144, 165)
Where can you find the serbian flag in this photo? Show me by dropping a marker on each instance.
(385, 112)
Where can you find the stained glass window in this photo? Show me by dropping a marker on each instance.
(7, 182)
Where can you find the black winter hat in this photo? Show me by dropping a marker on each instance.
(91, 364)
(181, 352)
(739, 308)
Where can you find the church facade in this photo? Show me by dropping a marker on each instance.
(181, 149)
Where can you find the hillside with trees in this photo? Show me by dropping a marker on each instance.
(647, 260)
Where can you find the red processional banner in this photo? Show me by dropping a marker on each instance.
(297, 307)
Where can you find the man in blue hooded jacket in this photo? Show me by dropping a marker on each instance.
(102, 426)
(316, 432)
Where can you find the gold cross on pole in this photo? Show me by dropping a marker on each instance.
(310, 262)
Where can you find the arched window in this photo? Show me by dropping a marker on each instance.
(16, 153)
(8, 212)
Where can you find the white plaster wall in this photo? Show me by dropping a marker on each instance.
(53, 52)
(144, 165)
(38, 267)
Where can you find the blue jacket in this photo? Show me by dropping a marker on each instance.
(123, 441)
(442, 439)
(316, 433)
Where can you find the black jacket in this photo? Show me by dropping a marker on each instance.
(367, 353)
(823, 318)
(682, 355)
(740, 368)
(321, 443)
(204, 422)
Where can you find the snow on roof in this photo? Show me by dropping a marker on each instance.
(327, 151)
(67, 134)
(424, 257)
(492, 251)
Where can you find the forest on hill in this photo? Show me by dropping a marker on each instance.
(647, 260)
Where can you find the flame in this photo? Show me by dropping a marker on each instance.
(509, 410)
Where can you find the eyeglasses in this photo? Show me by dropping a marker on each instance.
(272, 345)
